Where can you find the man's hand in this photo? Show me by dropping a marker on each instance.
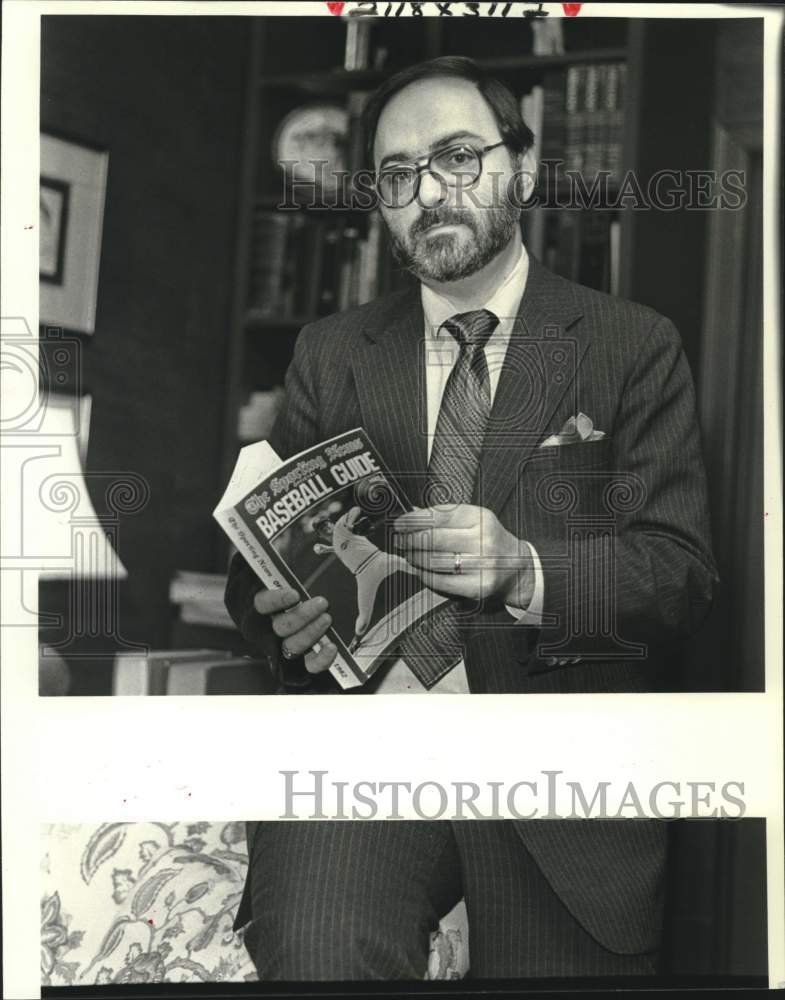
(464, 551)
(299, 625)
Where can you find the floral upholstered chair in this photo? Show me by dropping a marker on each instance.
(155, 902)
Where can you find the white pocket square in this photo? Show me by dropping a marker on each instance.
(575, 430)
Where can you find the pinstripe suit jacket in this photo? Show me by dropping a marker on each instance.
(620, 524)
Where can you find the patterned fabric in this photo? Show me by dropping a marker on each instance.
(433, 649)
(155, 902)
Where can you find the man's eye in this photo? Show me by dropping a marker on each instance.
(458, 158)
(400, 176)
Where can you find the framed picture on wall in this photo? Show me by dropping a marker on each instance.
(72, 194)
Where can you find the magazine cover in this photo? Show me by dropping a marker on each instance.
(321, 523)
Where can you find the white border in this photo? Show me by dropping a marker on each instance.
(160, 759)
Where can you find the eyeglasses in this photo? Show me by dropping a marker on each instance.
(457, 166)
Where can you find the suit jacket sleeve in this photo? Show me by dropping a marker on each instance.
(663, 572)
(295, 429)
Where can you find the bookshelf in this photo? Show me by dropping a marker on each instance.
(596, 246)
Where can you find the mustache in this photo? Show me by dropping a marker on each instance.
(430, 217)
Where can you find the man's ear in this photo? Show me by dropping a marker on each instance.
(527, 171)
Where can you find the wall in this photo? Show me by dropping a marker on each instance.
(165, 96)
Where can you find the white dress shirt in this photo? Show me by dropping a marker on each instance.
(441, 353)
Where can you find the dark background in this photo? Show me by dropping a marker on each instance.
(165, 96)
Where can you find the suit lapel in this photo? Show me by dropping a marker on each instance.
(389, 375)
(540, 365)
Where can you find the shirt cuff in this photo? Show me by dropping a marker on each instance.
(533, 614)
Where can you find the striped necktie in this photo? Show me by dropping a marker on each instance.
(432, 647)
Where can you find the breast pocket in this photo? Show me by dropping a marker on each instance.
(586, 455)
(568, 480)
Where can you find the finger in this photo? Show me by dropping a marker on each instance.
(441, 516)
(351, 517)
(300, 642)
(452, 584)
(270, 602)
(317, 663)
(443, 562)
(288, 622)
(464, 540)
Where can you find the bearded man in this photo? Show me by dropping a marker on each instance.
(545, 434)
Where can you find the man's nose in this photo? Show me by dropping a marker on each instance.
(433, 190)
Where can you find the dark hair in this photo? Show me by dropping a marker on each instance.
(514, 131)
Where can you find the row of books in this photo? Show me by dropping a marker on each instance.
(312, 266)
(577, 116)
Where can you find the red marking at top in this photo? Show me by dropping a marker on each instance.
(571, 9)
(336, 8)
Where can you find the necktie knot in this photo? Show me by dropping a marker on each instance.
(472, 329)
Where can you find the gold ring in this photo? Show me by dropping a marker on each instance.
(457, 565)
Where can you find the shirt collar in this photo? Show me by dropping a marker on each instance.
(504, 301)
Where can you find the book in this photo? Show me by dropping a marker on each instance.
(576, 117)
(136, 674)
(614, 258)
(217, 675)
(330, 277)
(321, 524)
(614, 119)
(594, 256)
(358, 40)
(268, 261)
(594, 135)
(554, 98)
(212, 613)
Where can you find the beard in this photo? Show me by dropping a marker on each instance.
(450, 256)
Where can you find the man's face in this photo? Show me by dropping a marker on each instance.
(446, 233)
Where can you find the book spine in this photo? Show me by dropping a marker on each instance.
(268, 261)
(575, 118)
(594, 268)
(188, 678)
(130, 676)
(358, 40)
(614, 98)
(614, 240)
(553, 132)
(314, 271)
(274, 574)
(328, 301)
(347, 292)
(369, 267)
(568, 244)
(593, 129)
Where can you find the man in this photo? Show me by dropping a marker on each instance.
(546, 436)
